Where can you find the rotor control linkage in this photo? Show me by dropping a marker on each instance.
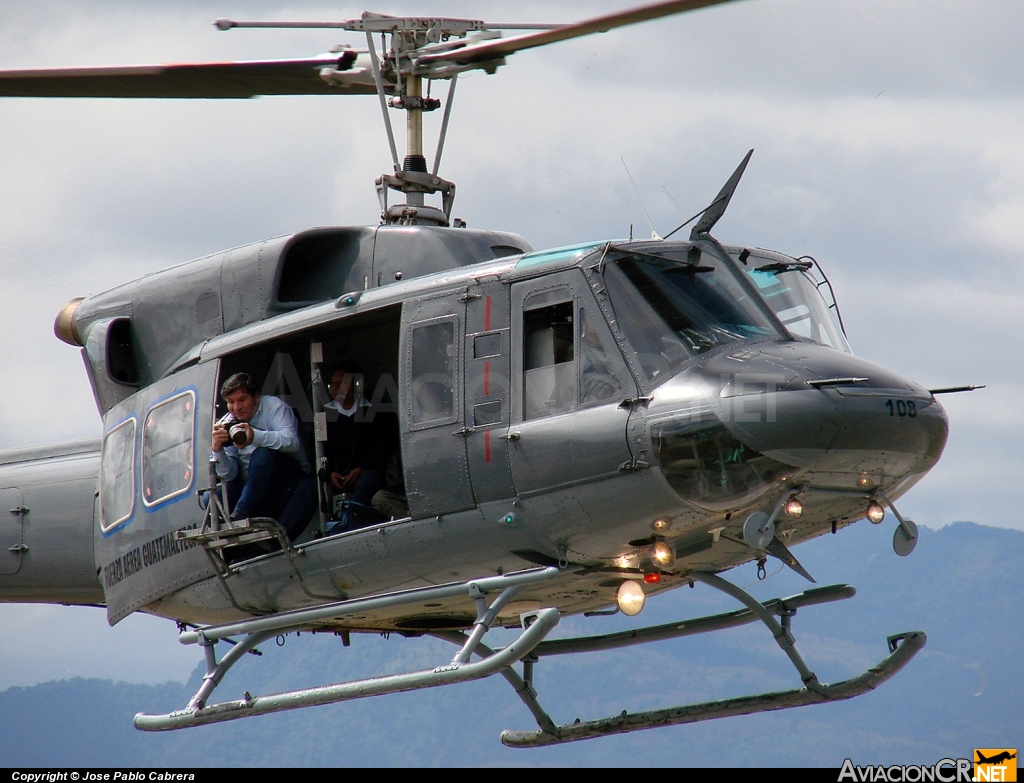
(902, 648)
(536, 625)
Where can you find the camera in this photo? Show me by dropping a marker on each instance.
(235, 429)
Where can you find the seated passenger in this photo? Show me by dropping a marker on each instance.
(391, 501)
(360, 438)
(266, 473)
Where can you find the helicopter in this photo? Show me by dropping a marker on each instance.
(709, 446)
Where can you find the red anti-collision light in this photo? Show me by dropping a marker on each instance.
(652, 579)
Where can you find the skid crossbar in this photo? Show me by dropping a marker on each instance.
(304, 618)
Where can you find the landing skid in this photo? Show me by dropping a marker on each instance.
(536, 625)
(902, 649)
(529, 647)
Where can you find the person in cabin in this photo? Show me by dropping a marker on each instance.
(361, 439)
(259, 456)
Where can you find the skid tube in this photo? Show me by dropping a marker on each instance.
(536, 625)
(902, 648)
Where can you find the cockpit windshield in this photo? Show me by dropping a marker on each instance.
(674, 305)
(795, 297)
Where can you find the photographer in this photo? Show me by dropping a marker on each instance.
(260, 458)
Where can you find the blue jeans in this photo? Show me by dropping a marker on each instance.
(367, 485)
(278, 488)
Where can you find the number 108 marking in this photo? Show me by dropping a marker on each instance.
(902, 408)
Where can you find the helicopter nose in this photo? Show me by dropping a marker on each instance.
(814, 407)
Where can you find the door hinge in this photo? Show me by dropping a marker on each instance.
(18, 549)
(20, 510)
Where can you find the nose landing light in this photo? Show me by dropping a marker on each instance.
(662, 554)
(793, 509)
(631, 598)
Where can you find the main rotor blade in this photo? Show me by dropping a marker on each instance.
(382, 23)
(245, 79)
(494, 50)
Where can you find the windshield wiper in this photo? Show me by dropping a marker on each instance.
(688, 269)
(678, 266)
(785, 266)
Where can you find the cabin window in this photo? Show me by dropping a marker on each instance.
(432, 377)
(167, 449)
(485, 345)
(117, 476)
(599, 381)
(549, 370)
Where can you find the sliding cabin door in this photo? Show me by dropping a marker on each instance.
(434, 430)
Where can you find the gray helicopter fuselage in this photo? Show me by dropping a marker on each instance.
(554, 409)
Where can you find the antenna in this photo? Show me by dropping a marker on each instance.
(654, 234)
(672, 199)
(721, 202)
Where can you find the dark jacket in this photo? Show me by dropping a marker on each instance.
(366, 440)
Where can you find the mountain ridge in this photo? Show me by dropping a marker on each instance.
(962, 586)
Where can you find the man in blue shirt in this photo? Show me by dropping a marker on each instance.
(268, 475)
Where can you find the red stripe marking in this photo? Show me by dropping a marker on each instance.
(487, 378)
(487, 314)
(487, 446)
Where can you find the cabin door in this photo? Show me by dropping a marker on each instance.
(154, 457)
(434, 429)
(568, 424)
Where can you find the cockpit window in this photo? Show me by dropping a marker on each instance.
(674, 305)
(549, 370)
(794, 296)
(707, 466)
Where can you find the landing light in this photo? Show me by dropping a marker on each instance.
(875, 514)
(630, 598)
(662, 554)
(794, 508)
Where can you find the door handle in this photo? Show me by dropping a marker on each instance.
(510, 436)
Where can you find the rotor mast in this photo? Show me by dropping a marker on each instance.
(411, 176)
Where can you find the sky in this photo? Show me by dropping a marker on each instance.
(887, 145)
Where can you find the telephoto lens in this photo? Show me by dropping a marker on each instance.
(238, 435)
(236, 432)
